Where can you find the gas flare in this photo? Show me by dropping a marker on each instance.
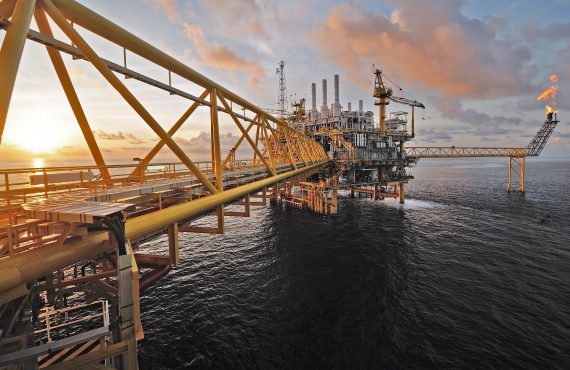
(550, 94)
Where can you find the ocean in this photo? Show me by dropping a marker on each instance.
(463, 275)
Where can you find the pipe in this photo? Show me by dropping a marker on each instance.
(140, 226)
(150, 278)
(11, 54)
(34, 264)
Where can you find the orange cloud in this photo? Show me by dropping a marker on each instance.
(222, 58)
(237, 16)
(169, 8)
(432, 46)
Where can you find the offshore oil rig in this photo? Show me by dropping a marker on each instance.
(73, 262)
(370, 158)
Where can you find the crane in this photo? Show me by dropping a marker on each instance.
(383, 97)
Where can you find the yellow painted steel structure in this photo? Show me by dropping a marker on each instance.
(516, 158)
(42, 247)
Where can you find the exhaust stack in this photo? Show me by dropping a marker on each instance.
(324, 107)
(337, 108)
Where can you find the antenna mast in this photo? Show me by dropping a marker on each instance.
(282, 96)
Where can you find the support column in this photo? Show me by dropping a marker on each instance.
(413, 123)
(11, 54)
(509, 181)
(402, 194)
(173, 244)
(521, 174)
(215, 134)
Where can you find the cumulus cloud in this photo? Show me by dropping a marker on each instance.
(118, 136)
(219, 57)
(436, 47)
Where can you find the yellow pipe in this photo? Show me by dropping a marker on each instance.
(140, 226)
(36, 263)
(216, 139)
(266, 140)
(69, 90)
(11, 54)
(7, 8)
(64, 25)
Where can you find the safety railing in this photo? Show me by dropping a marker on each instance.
(22, 185)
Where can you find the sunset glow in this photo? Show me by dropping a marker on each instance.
(37, 137)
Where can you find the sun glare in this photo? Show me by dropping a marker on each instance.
(37, 137)
(39, 163)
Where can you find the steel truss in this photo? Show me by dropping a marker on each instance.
(56, 247)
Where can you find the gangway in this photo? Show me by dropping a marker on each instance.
(72, 235)
(516, 155)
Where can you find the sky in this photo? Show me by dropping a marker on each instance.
(478, 66)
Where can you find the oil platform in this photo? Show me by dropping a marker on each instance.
(73, 261)
(368, 157)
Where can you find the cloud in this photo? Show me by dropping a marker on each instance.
(219, 57)
(118, 136)
(454, 110)
(239, 16)
(168, 7)
(200, 145)
(557, 31)
(433, 46)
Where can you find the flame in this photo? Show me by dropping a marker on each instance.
(549, 93)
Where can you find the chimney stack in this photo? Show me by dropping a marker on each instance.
(361, 105)
(314, 113)
(349, 106)
(324, 107)
(314, 96)
(337, 108)
(336, 87)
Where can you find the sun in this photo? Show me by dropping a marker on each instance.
(37, 137)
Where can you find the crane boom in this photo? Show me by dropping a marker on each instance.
(383, 97)
(410, 102)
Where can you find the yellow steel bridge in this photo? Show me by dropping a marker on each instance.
(56, 221)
